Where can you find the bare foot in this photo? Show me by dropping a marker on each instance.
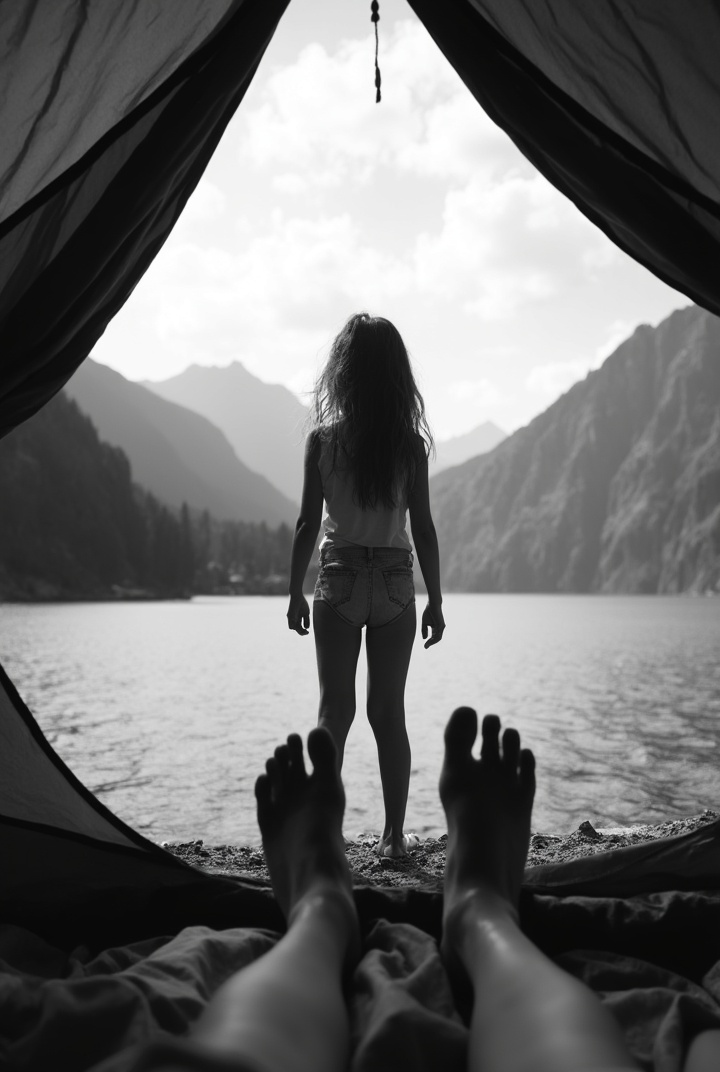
(395, 847)
(488, 803)
(300, 817)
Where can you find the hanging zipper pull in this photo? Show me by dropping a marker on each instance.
(375, 17)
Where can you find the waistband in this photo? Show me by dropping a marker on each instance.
(366, 556)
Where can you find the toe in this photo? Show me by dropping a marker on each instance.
(282, 756)
(460, 733)
(295, 752)
(263, 795)
(322, 751)
(511, 750)
(490, 750)
(273, 776)
(527, 772)
(282, 766)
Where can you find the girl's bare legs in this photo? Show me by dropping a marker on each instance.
(286, 1011)
(337, 647)
(528, 1014)
(389, 648)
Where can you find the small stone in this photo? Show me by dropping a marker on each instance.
(587, 829)
(164, 844)
(540, 840)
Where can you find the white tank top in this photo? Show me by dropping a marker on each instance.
(345, 524)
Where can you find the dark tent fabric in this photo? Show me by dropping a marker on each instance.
(110, 113)
(615, 104)
(72, 871)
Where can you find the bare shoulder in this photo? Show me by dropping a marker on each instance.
(422, 451)
(313, 444)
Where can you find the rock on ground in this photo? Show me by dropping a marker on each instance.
(424, 866)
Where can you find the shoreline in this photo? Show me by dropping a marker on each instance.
(424, 866)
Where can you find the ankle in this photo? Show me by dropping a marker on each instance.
(473, 909)
(326, 900)
(329, 911)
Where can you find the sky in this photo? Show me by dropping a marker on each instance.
(319, 203)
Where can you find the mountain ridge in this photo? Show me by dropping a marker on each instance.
(175, 453)
(263, 421)
(481, 439)
(587, 496)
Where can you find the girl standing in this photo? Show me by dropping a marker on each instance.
(367, 458)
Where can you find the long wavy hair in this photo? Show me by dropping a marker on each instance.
(367, 405)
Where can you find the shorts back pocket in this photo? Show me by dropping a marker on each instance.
(400, 585)
(335, 584)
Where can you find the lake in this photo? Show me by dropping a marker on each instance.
(167, 711)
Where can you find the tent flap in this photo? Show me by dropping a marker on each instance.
(615, 107)
(77, 247)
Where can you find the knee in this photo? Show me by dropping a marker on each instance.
(385, 716)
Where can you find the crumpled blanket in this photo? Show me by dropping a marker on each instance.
(82, 1012)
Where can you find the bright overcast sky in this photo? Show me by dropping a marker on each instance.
(319, 203)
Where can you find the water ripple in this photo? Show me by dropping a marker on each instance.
(168, 711)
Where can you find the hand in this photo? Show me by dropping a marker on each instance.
(298, 615)
(433, 620)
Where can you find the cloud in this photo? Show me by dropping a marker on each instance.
(283, 283)
(554, 378)
(504, 244)
(497, 237)
(482, 392)
(207, 202)
(318, 126)
(274, 301)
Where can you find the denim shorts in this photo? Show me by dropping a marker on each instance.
(369, 586)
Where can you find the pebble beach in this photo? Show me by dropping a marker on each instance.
(424, 866)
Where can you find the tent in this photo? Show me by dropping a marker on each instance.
(110, 113)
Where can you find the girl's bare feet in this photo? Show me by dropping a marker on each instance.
(396, 847)
(300, 817)
(488, 803)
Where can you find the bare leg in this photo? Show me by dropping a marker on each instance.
(337, 646)
(528, 1014)
(704, 1053)
(286, 1011)
(388, 655)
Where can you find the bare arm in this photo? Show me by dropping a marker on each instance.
(426, 546)
(306, 532)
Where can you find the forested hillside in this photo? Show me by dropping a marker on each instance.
(614, 488)
(72, 523)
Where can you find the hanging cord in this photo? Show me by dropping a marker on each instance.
(375, 17)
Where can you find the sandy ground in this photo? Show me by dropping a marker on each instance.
(424, 865)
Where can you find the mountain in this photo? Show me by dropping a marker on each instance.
(72, 524)
(176, 454)
(614, 488)
(263, 421)
(459, 449)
